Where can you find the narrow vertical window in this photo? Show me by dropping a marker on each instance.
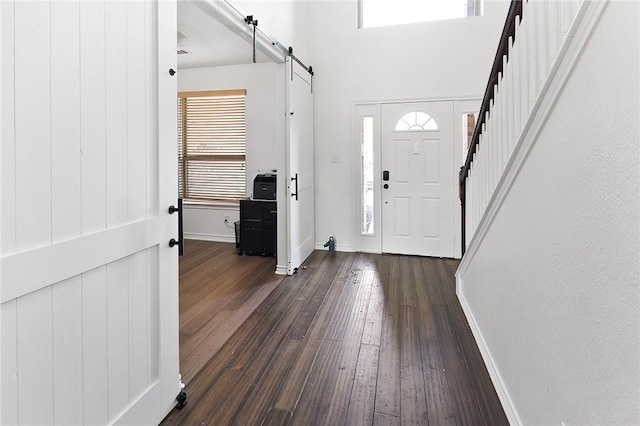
(366, 149)
(468, 127)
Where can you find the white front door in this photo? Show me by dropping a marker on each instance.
(418, 182)
(300, 212)
(88, 282)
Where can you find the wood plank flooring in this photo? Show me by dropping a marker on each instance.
(219, 290)
(354, 339)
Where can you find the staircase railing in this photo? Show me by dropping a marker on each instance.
(531, 39)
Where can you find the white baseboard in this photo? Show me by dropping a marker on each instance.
(281, 270)
(503, 395)
(339, 247)
(209, 237)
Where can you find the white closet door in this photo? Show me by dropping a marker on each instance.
(300, 176)
(88, 290)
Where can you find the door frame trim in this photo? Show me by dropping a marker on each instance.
(373, 244)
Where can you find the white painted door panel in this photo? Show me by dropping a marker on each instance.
(418, 212)
(88, 283)
(300, 176)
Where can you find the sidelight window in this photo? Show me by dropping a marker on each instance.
(468, 127)
(211, 145)
(366, 144)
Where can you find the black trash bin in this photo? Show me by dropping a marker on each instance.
(236, 225)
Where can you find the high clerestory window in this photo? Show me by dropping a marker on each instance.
(211, 145)
(380, 13)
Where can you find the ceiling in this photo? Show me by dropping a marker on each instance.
(209, 43)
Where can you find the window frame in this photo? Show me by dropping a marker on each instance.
(184, 157)
(472, 5)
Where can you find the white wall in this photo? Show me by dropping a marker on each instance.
(553, 288)
(447, 59)
(264, 115)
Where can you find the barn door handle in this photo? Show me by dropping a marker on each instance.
(295, 194)
(180, 240)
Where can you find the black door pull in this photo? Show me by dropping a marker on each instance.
(295, 194)
(180, 241)
(385, 175)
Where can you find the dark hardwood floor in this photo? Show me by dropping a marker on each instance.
(350, 339)
(219, 290)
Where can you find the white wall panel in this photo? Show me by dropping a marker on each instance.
(118, 335)
(93, 112)
(35, 358)
(138, 323)
(153, 295)
(67, 351)
(7, 131)
(116, 113)
(9, 363)
(135, 107)
(94, 346)
(33, 142)
(66, 190)
(151, 116)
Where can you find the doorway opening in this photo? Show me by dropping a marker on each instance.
(408, 155)
(218, 288)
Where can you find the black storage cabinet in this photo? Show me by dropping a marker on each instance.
(258, 227)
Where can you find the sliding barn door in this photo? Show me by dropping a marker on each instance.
(300, 214)
(88, 289)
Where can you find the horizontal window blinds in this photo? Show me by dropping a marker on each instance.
(211, 145)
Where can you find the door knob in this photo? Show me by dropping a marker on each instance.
(386, 186)
(173, 242)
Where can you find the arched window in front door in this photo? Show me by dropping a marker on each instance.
(416, 120)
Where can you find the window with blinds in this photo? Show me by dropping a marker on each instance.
(211, 145)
